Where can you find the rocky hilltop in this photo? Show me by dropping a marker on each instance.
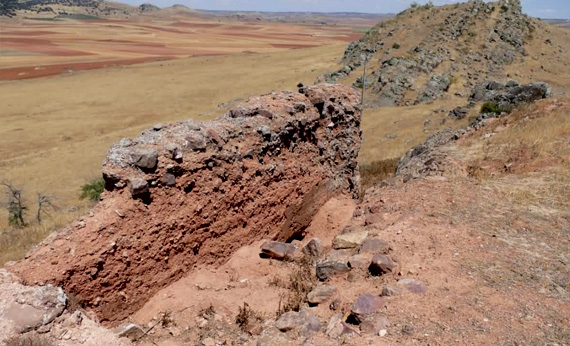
(426, 51)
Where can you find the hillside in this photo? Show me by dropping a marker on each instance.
(436, 213)
(428, 53)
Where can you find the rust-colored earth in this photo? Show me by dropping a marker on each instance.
(30, 49)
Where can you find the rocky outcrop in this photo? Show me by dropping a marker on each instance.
(193, 193)
(486, 37)
(428, 159)
(40, 315)
(508, 95)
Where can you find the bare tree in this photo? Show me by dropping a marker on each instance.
(44, 202)
(15, 206)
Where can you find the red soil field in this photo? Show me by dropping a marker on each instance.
(99, 43)
(29, 72)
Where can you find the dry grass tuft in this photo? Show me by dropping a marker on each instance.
(15, 243)
(246, 317)
(300, 282)
(377, 171)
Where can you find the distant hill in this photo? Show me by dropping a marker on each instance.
(427, 52)
(94, 9)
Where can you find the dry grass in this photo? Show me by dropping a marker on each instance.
(300, 282)
(15, 243)
(547, 134)
(377, 171)
(246, 317)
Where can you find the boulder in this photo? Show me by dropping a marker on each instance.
(278, 251)
(321, 294)
(313, 249)
(360, 261)
(242, 186)
(292, 319)
(329, 268)
(381, 264)
(366, 305)
(145, 159)
(374, 325)
(375, 245)
(349, 240)
(138, 187)
(33, 307)
(337, 327)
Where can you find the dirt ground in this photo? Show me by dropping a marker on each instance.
(490, 246)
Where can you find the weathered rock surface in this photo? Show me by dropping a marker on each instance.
(25, 308)
(328, 268)
(510, 94)
(313, 249)
(278, 250)
(381, 264)
(349, 240)
(366, 305)
(41, 313)
(321, 294)
(263, 170)
(491, 36)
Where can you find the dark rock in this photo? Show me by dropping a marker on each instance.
(168, 179)
(138, 187)
(329, 268)
(145, 159)
(366, 305)
(458, 113)
(381, 264)
(313, 249)
(279, 251)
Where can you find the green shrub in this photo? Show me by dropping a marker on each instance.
(491, 107)
(93, 190)
(396, 46)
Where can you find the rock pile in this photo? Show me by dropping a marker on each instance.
(194, 192)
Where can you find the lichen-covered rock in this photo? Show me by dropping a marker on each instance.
(510, 94)
(262, 171)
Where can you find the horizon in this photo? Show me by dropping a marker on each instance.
(545, 9)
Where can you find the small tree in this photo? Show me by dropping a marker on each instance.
(15, 206)
(44, 202)
(93, 190)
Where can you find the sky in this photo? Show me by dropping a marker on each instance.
(536, 8)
